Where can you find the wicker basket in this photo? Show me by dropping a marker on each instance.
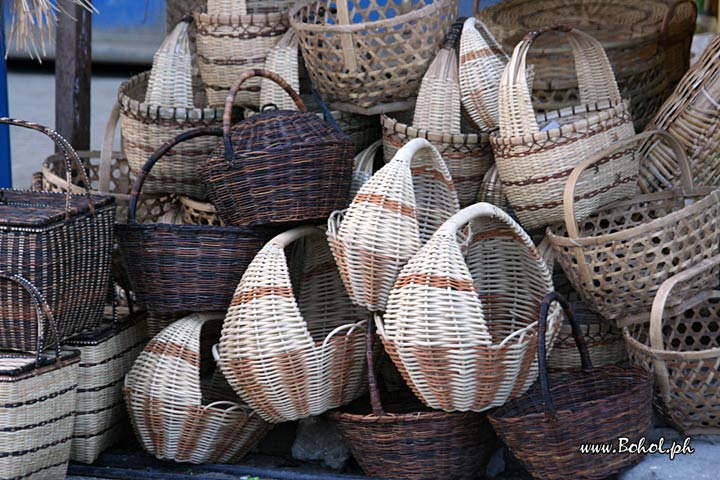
(369, 57)
(363, 170)
(679, 342)
(107, 353)
(109, 174)
(617, 258)
(390, 218)
(454, 315)
(170, 81)
(534, 156)
(146, 127)
(491, 191)
(177, 268)
(410, 441)
(175, 413)
(235, 36)
(199, 213)
(292, 342)
(157, 321)
(63, 245)
(690, 115)
(278, 167)
(283, 60)
(545, 428)
(37, 402)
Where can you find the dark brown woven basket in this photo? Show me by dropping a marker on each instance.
(546, 427)
(413, 442)
(176, 268)
(60, 242)
(279, 166)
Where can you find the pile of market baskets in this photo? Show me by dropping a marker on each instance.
(243, 260)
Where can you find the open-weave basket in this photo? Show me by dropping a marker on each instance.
(146, 127)
(37, 400)
(545, 428)
(177, 268)
(175, 413)
(461, 321)
(534, 156)
(617, 258)
(391, 217)
(106, 353)
(292, 344)
(369, 57)
(235, 36)
(690, 115)
(109, 174)
(405, 439)
(680, 342)
(278, 166)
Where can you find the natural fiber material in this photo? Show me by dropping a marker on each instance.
(232, 37)
(600, 405)
(199, 213)
(175, 268)
(278, 167)
(363, 167)
(391, 217)
(146, 127)
(676, 35)
(617, 258)
(370, 57)
(410, 441)
(534, 156)
(109, 174)
(176, 416)
(170, 82)
(461, 325)
(283, 60)
(679, 342)
(37, 400)
(62, 244)
(690, 115)
(107, 353)
(491, 191)
(156, 322)
(292, 342)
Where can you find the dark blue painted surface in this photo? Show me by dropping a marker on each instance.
(5, 164)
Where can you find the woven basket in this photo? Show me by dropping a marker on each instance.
(545, 428)
(676, 35)
(146, 127)
(292, 342)
(283, 60)
(170, 81)
(175, 414)
(491, 190)
(389, 219)
(278, 167)
(690, 115)
(679, 342)
(62, 244)
(369, 57)
(235, 36)
(177, 268)
(107, 353)
(37, 401)
(410, 441)
(157, 321)
(534, 156)
(453, 316)
(617, 258)
(109, 174)
(363, 167)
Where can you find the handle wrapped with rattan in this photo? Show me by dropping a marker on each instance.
(670, 15)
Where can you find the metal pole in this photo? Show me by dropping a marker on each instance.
(5, 162)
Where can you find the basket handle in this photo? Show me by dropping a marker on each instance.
(44, 314)
(569, 193)
(69, 154)
(453, 36)
(366, 158)
(346, 39)
(670, 14)
(246, 75)
(105, 170)
(413, 147)
(663, 293)
(145, 171)
(596, 80)
(551, 297)
(286, 238)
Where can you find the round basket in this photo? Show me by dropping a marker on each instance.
(145, 128)
(175, 415)
(199, 213)
(369, 57)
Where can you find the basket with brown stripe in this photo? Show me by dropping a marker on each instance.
(535, 155)
(176, 410)
(106, 355)
(232, 37)
(292, 344)
(461, 319)
(37, 400)
(391, 217)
